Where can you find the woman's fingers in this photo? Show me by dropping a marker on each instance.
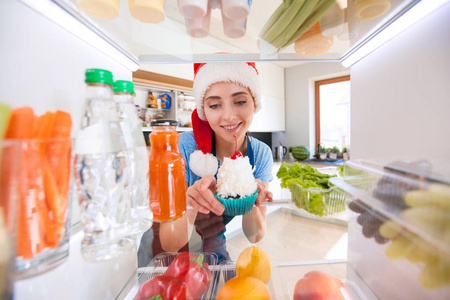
(263, 193)
(201, 197)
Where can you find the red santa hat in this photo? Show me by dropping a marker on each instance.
(201, 161)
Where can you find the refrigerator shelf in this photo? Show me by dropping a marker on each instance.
(417, 205)
(281, 286)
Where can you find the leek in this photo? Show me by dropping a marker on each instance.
(283, 23)
(296, 22)
(275, 17)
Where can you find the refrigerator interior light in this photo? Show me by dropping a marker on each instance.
(58, 15)
(411, 16)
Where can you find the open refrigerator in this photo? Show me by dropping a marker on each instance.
(40, 42)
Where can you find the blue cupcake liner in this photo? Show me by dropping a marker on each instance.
(239, 206)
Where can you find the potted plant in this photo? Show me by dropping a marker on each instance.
(334, 152)
(345, 154)
(323, 153)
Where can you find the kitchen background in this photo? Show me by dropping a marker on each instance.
(400, 103)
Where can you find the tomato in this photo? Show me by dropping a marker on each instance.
(244, 288)
(318, 285)
(254, 262)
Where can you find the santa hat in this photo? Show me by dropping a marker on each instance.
(201, 161)
(242, 73)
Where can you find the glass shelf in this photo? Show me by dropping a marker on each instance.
(168, 41)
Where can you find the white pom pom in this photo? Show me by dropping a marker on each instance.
(203, 164)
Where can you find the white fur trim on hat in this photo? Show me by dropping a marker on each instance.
(203, 164)
(237, 72)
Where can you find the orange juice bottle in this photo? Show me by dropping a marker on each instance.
(166, 175)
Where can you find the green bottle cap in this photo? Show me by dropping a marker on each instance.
(123, 86)
(99, 76)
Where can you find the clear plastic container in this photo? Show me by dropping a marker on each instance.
(158, 266)
(370, 9)
(320, 202)
(198, 27)
(235, 9)
(332, 23)
(35, 177)
(234, 28)
(193, 8)
(102, 173)
(317, 201)
(9, 197)
(399, 225)
(141, 215)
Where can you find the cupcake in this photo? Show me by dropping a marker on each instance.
(236, 187)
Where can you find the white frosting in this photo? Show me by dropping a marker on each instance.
(235, 178)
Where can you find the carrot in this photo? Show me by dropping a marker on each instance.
(45, 126)
(46, 185)
(19, 128)
(59, 152)
(30, 239)
(19, 123)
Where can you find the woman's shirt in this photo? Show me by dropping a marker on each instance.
(262, 155)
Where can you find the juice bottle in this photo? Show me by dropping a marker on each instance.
(167, 187)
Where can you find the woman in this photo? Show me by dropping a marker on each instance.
(226, 95)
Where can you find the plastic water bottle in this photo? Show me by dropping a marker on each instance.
(102, 173)
(141, 216)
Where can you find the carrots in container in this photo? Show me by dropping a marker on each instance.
(44, 177)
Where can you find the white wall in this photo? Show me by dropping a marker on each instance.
(299, 87)
(42, 65)
(400, 94)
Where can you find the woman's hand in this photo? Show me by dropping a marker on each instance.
(200, 196)
(263, 193)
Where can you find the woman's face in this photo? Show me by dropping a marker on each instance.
(229, 110)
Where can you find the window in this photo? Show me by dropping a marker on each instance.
(332, 112)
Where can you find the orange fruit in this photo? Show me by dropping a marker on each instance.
(254, 262)
(313, 42)
(243, 288)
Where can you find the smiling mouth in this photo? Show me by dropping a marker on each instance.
(231, 128)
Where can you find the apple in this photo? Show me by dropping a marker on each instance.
(319, 285)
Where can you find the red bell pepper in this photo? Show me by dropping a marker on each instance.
(193, 271)
(166, 287)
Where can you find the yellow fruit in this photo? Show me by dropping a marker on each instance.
(254, 262)
(399, 248)
(244, 288)
(390, 229)
(435, 276)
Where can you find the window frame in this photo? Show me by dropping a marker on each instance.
(317, 85)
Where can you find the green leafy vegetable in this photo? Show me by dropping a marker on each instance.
(310, 189)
